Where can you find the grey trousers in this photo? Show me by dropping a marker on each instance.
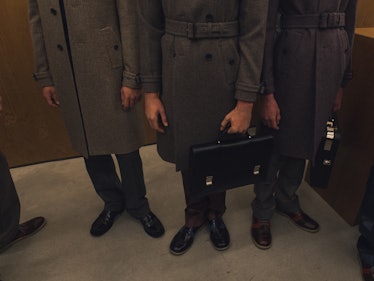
(130, 193)
(9, 204)
(198, 210)
(279, 189)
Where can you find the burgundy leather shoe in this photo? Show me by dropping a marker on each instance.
(261, 234)
(367, 271)
(301, 220)
(25, 230)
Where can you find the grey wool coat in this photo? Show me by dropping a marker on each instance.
(200, 76)
(88, 67)
(304, 65)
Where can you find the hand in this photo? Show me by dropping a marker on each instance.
(239, 118)
(269, 111)
(129, 97)
(153, 110)
(338, 100)
(1, 104)
(50, 96)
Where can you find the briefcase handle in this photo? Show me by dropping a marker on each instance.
(225, 137)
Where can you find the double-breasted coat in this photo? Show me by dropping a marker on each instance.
(201, 56)
(306, 61)
(88, 49)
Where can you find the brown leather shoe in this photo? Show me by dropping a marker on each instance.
(25, 230)
(367, 271)
(302, 220)
(261, 234)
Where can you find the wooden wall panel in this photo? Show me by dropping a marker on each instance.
(356, 152)
(365, 11)
(29, 130)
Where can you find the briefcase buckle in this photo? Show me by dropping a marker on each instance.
(209, 181)
(256, 170)
(326, 162)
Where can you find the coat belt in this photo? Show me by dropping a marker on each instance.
(202, 30)
(321, 21)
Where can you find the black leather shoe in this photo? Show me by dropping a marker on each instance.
(103, 222)
(219, 235)
(261, 234)
(25, 230)
(152, 225)
(183, 240)
(301, 220)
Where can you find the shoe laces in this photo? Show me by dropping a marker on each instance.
(298, 216)
(148, 220)
(189, 233)
(107, 217)
(261, 224)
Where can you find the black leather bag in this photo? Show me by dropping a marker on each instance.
(229, 162)
(319, 172)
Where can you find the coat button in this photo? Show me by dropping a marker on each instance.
(60, 47)
(116, 47)
(53, 11)
(209, 17)
(232, 62)
(208, 57)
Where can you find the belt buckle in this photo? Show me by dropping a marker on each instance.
(191, 30)
(324, 20)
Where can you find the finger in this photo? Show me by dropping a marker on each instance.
(164, 118)
(49, 101)
(153, 122)
(278, 118)
(225, 122)
(55, 99)
(126, 104)
(157, 126)
(273, 123)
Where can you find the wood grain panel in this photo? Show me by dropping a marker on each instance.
(365, 11)
(356, 152)
(29, 130)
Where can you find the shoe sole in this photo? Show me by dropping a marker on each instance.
(261, 246)
(298, 226)
(178, 253)
(6, 247)
(221, 249)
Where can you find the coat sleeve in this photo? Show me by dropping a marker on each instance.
(42, 73)
(252, 22)
(127, 15)
(350, 29)
(271, 34)
(151, 29)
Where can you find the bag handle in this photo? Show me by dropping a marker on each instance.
(225, 137)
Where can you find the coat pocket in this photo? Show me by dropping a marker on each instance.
(112, 46)
(287, 50)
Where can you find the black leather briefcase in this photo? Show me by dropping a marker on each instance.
(228, 163)
(319, 172)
